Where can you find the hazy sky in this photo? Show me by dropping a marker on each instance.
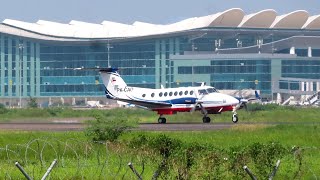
(128, 11)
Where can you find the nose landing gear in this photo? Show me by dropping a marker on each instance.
(234, 115)
(235, 118)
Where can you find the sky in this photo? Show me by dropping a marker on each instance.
(129, 11)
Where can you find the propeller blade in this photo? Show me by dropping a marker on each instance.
(245, 106)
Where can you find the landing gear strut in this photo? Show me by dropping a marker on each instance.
(162, 120)
(206, 119)
(234, 115)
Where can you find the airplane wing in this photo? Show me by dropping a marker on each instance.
(146, 104)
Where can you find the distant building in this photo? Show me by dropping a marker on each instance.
(228, 50)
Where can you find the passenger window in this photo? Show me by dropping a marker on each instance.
(165, 94)
(143, 95)
(152, 95)
(170, 93)
(180, 93)
(186, 93)
(160, 94)
(175, 93)
(191, 92)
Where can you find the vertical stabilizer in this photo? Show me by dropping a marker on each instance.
(115, 85)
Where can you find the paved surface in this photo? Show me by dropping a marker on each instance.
(144, 127)
(76, 126)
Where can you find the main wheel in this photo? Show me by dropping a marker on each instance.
(162, 120)
(206, 119)
(235, 118)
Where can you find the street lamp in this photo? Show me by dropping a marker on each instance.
(20, 72)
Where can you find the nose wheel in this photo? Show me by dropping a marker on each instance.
(206, 119)
(162, 120)
(235, 118)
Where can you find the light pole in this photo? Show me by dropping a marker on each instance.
(108, 47)
(20, 71)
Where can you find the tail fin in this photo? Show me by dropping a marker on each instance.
(116, 88)
(115, 85)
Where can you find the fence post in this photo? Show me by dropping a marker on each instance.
(249, 172)
(134, 171)
(49, 169)
(275, 169)
(22, 171)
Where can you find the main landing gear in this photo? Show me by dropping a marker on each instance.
(206, 119)
(162, 120)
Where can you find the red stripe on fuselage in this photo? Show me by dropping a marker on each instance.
(211, 110)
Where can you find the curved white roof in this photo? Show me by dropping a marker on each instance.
(312, 23)
(230, 18)
(293, 20)
(261, 19)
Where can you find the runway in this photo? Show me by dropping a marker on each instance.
(75, 126)
(143, 127)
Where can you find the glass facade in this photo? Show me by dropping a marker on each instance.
(43, 68)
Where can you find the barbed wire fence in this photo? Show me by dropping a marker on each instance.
(78, 159)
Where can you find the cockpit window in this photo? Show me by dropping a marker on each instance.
(211, 90)
(202, 92)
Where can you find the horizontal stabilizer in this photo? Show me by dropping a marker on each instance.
(98, 69)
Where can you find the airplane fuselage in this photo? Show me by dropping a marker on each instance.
(182, 99)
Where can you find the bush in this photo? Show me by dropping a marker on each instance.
(3, 109)
(261, 107)
(108, 128)
(32, 103)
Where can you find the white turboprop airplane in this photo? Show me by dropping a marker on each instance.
(167, 101)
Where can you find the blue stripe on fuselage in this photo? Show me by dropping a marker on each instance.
(183, 100)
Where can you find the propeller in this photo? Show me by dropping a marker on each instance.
(198, 102)
(243, 101)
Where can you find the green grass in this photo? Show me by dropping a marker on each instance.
(79, 158)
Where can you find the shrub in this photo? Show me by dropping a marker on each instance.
(108, 128)
(32, 103)
(3, 109)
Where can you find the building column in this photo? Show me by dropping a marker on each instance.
(2, 67)
(309, 51)
(311, 86)
(38, 69)
(318, 86)
(163, 63)
(292, 50)
(302, 86)
(157, 64)
(9, 67)
(17, 79)
(24, 70)
(171, 52)
(32, 71)
(307, 86)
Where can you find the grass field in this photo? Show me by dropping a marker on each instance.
(191, 155)
(176, 155)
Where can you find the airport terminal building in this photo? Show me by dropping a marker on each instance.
(230, 50)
